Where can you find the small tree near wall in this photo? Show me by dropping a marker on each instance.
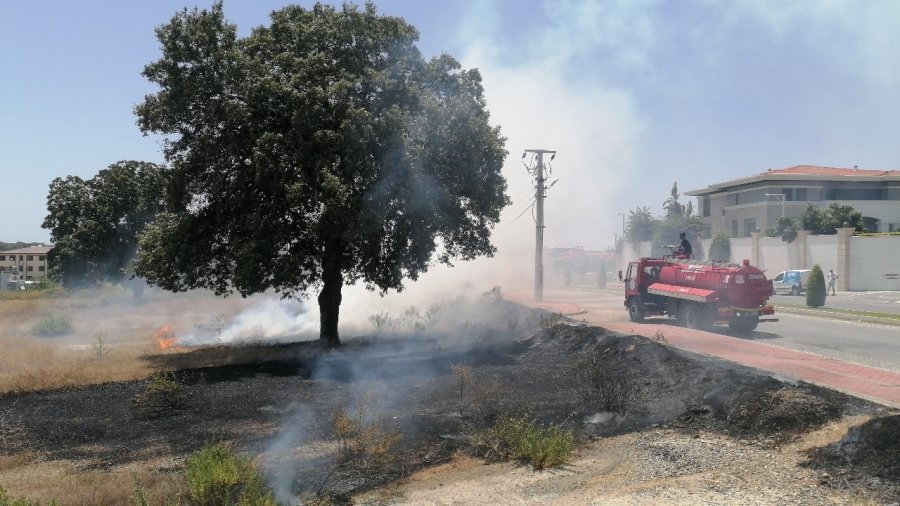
(720, 249)
(815, 288)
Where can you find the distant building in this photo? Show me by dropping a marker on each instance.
(744, 205)
(25, 264)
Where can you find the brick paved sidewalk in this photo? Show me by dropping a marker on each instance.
(871, 383)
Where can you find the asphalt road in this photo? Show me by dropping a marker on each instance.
(868, 344)
(863, 343)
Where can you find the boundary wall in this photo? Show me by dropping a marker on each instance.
(863, 263)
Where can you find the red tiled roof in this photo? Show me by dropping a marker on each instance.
(833, 171)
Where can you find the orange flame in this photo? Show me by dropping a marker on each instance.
(166, 337)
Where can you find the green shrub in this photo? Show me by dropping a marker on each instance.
(815, 288)
(720, 249)
(542, 446)
(52, 326)
(163, 393)
(218, 476)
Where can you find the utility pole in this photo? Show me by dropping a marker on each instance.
(623, 241)
(539, 189)
(778, 196)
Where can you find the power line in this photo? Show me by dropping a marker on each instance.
(530, 206)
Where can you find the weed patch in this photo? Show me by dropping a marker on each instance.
(52, 326)
(217, 475)
(542, 446)
(365, 444)
(163, 393)
(602, 386)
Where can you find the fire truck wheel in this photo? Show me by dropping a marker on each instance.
(743, 324)
(695, 316)
(636, 309)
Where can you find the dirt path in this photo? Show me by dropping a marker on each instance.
(662, 466)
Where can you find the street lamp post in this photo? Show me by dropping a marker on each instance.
(779, 196)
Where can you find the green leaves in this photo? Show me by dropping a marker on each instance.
(325, 131)
(828, 220)
(325, 127)
(95, 224)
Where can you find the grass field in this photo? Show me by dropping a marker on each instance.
(109, 338)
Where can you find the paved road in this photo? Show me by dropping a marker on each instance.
(859, 358)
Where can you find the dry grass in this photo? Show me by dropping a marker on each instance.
(29, 476)
(31, 363)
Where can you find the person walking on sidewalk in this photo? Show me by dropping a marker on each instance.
(832, 277)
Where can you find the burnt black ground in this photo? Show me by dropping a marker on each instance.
(409, 384)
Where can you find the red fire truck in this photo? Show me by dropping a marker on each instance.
(698, 294)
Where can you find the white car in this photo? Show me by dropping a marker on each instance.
(791, 282)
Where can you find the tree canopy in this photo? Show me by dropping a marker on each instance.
(786, 228)
(641, 225)
(673, 207)
(720, 248)
(679, 218)
(319, 150)
(828, 220)
(95, 223)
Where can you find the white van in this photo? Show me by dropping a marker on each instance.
(791, 282)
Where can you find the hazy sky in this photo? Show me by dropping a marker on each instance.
(634, 94)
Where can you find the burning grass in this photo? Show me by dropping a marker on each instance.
(94, 336)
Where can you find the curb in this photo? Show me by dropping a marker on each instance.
(825, 314)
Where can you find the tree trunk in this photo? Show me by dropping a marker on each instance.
(330, 296)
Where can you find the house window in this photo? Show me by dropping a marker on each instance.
(42, 258)
(705, 206)
(734, 199)
(2, 258)
(30, 268)
(30, 258)
(41, 268)
(800, 195)
(788, 193)
(734, 228)
(749, 226)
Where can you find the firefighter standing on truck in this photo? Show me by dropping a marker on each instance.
(685, 247)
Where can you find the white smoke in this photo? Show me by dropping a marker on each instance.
(268, 319)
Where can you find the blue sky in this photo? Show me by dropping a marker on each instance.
(635, 94)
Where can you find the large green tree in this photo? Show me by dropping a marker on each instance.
(827, 221)
(319, 150)
(95, 223)
(641, 225)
